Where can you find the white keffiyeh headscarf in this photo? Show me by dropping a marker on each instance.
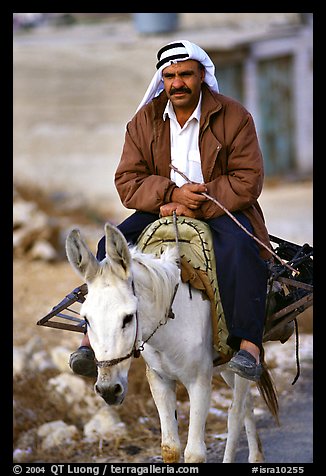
(173, 52)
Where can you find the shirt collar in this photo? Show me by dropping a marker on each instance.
(169, 111)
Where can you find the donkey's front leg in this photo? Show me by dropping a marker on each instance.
(200, 398)
(236, 414)
(256, 454)
(255, 447)
(163, 392)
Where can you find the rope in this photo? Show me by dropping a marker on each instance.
(237, 222)
(296, 351)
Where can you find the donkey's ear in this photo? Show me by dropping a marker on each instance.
(117, 250)
(80, 256)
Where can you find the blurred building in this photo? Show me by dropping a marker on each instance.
(272, 75)
(78, 79)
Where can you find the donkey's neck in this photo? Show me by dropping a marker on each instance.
(155, 284)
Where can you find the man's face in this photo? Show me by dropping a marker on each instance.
(182, 83)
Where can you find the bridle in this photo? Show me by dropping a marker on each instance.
(135, 351)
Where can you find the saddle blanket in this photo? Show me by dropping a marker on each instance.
(198, 266)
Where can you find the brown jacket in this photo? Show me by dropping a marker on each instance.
(232, 163)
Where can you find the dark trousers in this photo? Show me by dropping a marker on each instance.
(241, 273)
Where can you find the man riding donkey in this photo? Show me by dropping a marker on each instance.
(183, 120)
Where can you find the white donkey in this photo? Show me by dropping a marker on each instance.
(127, 310)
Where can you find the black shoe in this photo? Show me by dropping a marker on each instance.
(245, 365)
(82, 362)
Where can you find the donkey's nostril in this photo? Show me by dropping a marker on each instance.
(117, 389)
(110, 393)
(114, 389)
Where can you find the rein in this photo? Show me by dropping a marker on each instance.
(135, 351)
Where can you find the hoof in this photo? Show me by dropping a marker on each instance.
(195, 454)
(258, 458)
(196, 459)
(170, 455)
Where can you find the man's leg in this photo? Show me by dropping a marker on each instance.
(82, 361)
(242, 277)
(131, 228)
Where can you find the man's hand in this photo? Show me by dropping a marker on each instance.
(168, 209)
(190, 195)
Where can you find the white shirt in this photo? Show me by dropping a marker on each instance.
(185, 154)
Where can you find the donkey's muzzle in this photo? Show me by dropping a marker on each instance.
(112, 394)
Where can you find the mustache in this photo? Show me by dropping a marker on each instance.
(184, 89)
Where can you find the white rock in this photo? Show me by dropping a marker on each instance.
(34, 344)
(43, 250)
(31, 356)
(105, 424)
(30, 225)
(71, 387)
(60, 356)
(56, 433)
(22, 212)
(21, 455)
(18, 360)
(41, 361)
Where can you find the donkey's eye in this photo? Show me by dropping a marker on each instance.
(126, 320)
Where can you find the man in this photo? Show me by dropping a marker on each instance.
(211, 138)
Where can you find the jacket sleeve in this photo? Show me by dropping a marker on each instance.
(137, 181)
(239, 186)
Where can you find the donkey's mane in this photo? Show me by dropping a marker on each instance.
(153, 275)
